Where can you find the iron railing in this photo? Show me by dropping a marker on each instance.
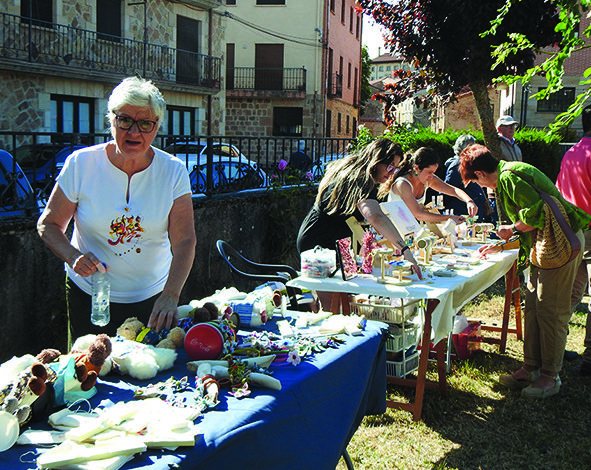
(335, 86)
(216, 164)
(258, 79)
(66, 47)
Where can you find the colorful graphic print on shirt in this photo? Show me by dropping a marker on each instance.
(126, 232)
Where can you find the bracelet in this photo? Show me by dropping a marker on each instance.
(515, 231)
(403, 249)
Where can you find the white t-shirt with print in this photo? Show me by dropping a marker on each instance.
(130, 237)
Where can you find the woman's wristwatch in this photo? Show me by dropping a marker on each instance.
(514, 230)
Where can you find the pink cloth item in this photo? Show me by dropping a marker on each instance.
(574, 179)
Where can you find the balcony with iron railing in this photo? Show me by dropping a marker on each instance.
(37, 45)
(259, 81)
(335, 86)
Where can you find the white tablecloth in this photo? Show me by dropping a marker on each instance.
(452, 292)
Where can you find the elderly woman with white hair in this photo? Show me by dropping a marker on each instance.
(453, 178)
(133, 214)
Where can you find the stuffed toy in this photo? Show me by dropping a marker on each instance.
(134, 330)
(19, 392)
(141, 361)
(204, 314)
(249, 309)
(90, 355)
(129, 357)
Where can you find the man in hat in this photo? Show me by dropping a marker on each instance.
(506, 128)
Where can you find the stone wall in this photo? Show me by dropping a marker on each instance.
(254, 115)
(32, 297)
(19, 102)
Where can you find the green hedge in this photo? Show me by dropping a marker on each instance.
(538, 149)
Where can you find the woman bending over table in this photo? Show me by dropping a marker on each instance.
(547, 300)
(416, 174)
(349, 188)
(132, 210)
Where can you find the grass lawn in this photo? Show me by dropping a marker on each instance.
(482, 424)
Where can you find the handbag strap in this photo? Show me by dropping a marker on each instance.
(553, 203)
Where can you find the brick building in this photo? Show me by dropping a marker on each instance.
(293, 68)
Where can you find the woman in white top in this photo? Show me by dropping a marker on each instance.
(416, 174)
(132, 210)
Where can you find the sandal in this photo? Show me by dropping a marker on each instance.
(536, 392)
(510, 380)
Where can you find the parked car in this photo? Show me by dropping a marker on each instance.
(17, 197)
(42, 163)
(232, 171)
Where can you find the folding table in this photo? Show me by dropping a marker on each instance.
(444, 297)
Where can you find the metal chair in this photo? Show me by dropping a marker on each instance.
(260, 273)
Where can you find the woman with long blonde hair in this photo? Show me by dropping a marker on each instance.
(349, 188)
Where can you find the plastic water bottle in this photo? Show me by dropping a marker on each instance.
(101, 292)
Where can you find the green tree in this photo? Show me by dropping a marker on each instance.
(552, 68)
(443, 40)
(365, 74)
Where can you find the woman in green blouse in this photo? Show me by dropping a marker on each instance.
(547, 299)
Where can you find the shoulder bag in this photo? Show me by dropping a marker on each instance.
(556, 244)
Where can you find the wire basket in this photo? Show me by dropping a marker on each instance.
(397, 341)
(386, 312)
(403, 367)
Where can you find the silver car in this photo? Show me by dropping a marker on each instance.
(232, 171)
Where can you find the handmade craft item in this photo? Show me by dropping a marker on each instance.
(425, 246)
(481, 231)
(368, 248)
(391, 271)
(220, 369)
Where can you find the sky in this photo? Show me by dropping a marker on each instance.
(372, 37)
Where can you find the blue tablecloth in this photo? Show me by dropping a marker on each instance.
(306, 425)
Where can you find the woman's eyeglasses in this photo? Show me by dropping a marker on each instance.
(144, 125)
(392, 168)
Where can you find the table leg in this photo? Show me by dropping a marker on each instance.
(339, 303)
(512, 297)
(420, 383)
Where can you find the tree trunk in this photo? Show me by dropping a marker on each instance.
(487, 122)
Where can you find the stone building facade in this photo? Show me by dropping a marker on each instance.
(56, 73)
